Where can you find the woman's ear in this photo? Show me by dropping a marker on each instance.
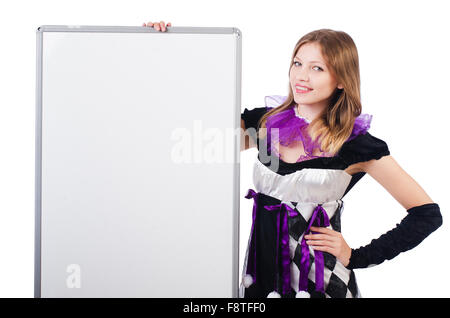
(340, 86)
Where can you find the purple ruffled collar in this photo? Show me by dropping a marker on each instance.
(292, 128)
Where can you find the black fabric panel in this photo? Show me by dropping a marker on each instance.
(266, 239)
(363, 148)
(285, 168)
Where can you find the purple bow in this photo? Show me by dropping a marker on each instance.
(319, 213)
(319, 218)
(285, 211)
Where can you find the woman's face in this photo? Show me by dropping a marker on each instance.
(309, 70)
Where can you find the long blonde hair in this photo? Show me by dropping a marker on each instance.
(334, 125)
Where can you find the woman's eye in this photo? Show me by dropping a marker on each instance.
(321, 69)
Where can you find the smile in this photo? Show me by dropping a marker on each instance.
(302, 90)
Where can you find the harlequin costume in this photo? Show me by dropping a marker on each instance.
(289, 198)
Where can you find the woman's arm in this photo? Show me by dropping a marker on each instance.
(387, 172)
(423, 218)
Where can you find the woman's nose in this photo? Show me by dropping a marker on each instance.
(302, 74)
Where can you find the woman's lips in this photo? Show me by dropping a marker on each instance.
(302, 91)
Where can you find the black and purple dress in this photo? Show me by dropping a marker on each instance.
(289, 198)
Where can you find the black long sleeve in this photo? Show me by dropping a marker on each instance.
(420, 222)
(251, 119)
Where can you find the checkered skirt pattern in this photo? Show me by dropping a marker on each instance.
(339, 282)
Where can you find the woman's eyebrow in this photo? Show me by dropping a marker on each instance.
(310, 61)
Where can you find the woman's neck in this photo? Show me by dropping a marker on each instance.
(310, 112)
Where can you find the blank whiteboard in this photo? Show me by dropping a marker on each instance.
(137, 161)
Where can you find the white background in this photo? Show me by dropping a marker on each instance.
(403, 50)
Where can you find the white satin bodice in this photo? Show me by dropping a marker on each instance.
(304, 186)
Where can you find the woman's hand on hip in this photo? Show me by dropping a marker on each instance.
(330, 241)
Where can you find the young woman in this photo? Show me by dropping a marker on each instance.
(313, 146)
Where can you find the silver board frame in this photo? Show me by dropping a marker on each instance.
(38, 140)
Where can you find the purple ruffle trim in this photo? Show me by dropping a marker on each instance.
(293, 128)
(361, 126)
